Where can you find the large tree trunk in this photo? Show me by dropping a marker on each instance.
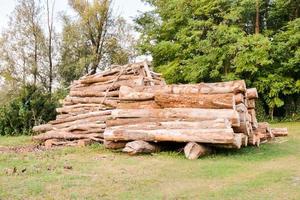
(133, 121)
(216, 136)
(148, 93)
(215, 124)
(215, 101)
(184, 113)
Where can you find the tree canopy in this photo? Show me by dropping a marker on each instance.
(218, 40)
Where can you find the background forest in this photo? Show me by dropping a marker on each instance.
(190, 41)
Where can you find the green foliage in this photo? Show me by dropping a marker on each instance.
(213, 40)
(31, 107)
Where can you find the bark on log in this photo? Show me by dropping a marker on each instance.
(251, 93)
(66, 136)
(217, 136)
(213, 124)
(100, 114)
(80, 107)
(148, 93)
(138, 81)
(90, 80)
(184, 113)
(279, 132)
(194, 150)
(237, 143)
(42, 128)
(107, 101)
(114, 145)
(138, 105)
(131, 121)
(214, 101)
(251, 103)
(245, 128)
(91, 93)
(139, 146)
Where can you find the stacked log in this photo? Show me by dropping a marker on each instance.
(84, 112)
(202, 115)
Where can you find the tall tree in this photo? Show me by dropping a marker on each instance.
(23, 41)
(96, 19)
(50, 12)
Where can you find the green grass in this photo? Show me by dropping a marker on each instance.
(269, 172)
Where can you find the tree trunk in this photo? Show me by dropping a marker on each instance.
(215, 101)
(257, 17)
(216, 136)
(180, 113)
(148, 92)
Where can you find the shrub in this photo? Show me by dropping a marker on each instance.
(32, 106)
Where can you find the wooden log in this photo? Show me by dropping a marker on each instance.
(95, 79)
(80, 107)
(132, 121)
(217, 136)
(107, 101)
(42, 128)
(66, 136)
(138, 81)
(140, 147)
(194, 150)
(254, 122)
(245, 128)
(147, 93)
(279, 132)
(85, 127)
(215, 101)
(95, 119)
(83, 116)
(244, 140)
(215, 124)
(114, 145)
(184, 113)
(138, 105)
(239, 98)
(251, 103)
(251, 93)
(237, 143)
(91, 93)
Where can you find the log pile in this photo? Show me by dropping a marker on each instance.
(131, 108)
(203, 115)
(84, 112)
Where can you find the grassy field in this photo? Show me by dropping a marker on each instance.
(269, 172)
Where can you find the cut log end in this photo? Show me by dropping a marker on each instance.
(194, 150)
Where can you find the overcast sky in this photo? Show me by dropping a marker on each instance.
(126, 8)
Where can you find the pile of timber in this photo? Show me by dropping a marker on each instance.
(84, 112)
(203, 116)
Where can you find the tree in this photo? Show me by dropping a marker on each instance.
(213, 40)
(22, 43)
(95, 18)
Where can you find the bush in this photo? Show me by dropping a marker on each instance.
(32, 106)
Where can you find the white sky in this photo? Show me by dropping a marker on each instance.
(125, 8)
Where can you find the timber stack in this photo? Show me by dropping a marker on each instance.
(84, 112)
(202, 116)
